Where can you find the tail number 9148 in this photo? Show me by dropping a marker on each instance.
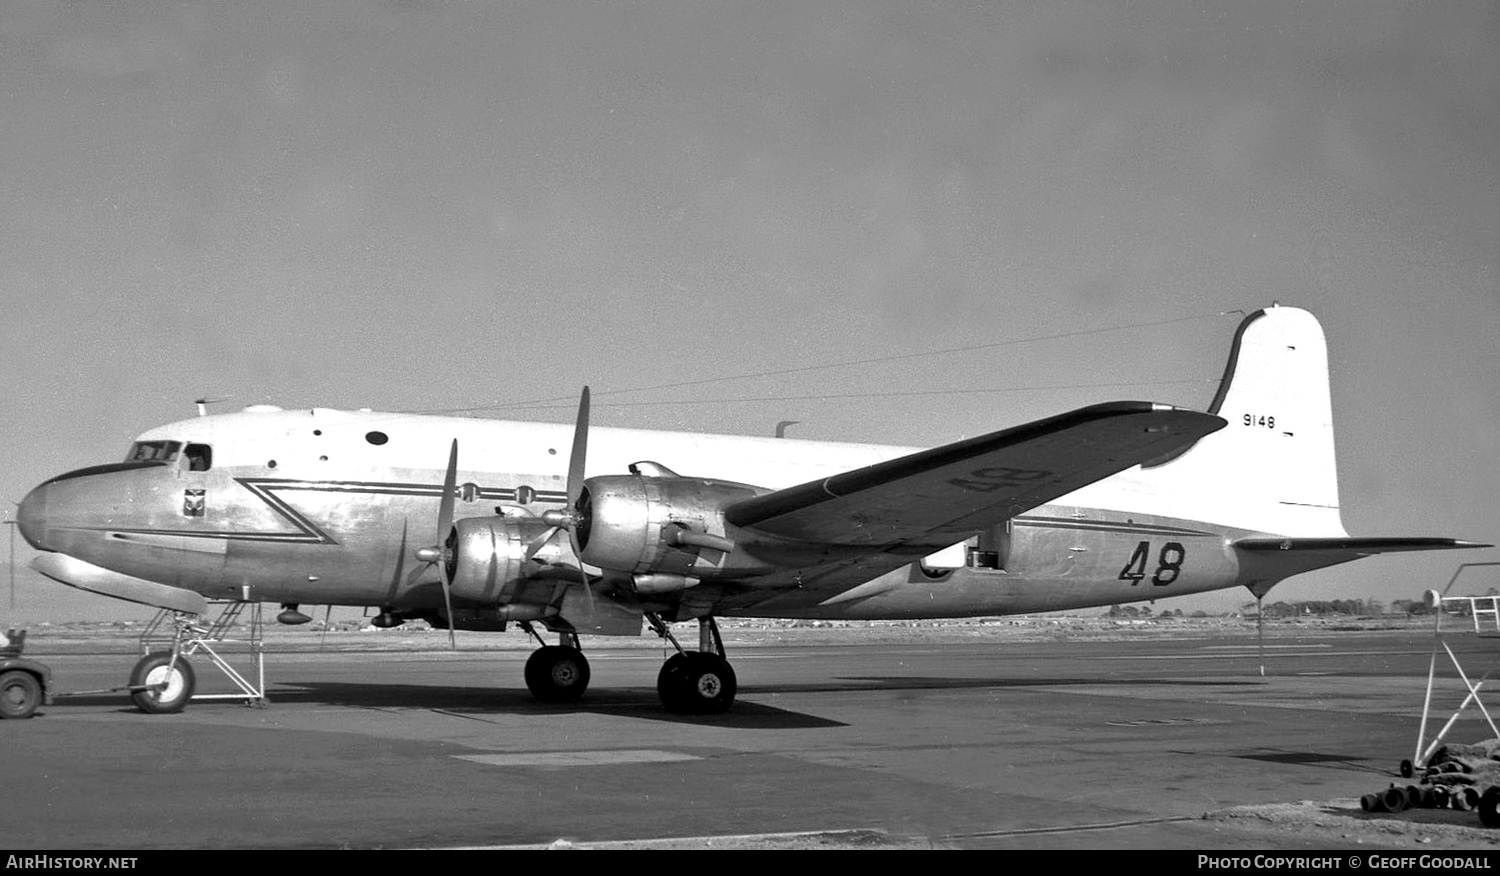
(1168, 564)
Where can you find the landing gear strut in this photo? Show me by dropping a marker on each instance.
(557, 673)
(695, 682)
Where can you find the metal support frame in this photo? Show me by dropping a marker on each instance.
(1490, 609)
(189, 636)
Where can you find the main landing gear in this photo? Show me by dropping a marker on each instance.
(695, 682)
(556, 673)
(691, 682)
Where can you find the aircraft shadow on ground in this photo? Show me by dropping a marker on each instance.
(481, 704)
(908, 682)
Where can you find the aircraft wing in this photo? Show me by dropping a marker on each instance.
(928, 500)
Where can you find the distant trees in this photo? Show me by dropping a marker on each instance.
(1303, 608)
(1320, 608)
(1410, 607)
(1144, 611)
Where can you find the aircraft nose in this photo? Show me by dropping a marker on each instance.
(31, 517)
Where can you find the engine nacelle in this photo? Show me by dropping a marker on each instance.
(486, 556)
(664, 526)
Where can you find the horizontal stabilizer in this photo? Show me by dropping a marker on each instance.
(1356, 547)
(96, 579)
(1265, 561)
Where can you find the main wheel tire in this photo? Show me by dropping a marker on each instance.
(557, 674)
(701, 684)
(1489, 808)
(670, 686)
(167, 686)
(20, 694)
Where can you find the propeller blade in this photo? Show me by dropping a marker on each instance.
(445, 523)
(539, 542)
(576, 461)
(450, 486)
(580, 450)
(588, 592)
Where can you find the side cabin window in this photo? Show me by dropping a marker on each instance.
(153, 451)
(200, 457)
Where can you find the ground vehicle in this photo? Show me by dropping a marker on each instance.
(25, 684)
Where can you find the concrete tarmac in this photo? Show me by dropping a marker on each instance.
(1118, 744)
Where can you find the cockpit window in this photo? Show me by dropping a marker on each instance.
(153, 451)
(200, 457)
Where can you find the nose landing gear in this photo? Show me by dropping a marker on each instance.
(163, 681)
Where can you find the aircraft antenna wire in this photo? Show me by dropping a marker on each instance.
(564, 401)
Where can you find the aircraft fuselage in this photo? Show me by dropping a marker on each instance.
(327, 507)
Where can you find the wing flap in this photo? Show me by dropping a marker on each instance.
(936, 497)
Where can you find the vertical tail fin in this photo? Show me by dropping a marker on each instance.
(1273, 468)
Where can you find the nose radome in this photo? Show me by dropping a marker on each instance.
(31, 517)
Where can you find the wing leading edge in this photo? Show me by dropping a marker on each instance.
(936, 497)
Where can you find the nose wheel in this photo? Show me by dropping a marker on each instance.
(161, 684)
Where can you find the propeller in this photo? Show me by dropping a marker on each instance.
(570, 517)
(439, 553)
(567, 518)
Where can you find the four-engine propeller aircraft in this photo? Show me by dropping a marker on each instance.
(473, 524)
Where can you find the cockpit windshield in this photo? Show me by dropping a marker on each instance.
(200, 457)
(153, 451)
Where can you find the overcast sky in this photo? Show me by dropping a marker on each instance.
(437, 206)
